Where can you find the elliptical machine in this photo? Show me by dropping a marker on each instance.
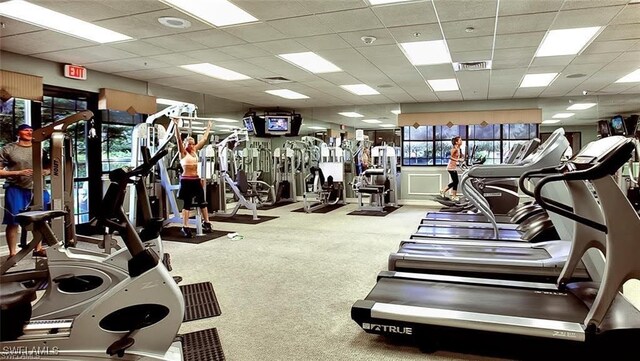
(137, 318)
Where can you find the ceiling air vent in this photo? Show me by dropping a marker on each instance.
(472, 65)
(276, 80)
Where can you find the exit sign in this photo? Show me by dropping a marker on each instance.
(75, 72)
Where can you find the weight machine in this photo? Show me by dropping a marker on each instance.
(379, 182)
(325, 183)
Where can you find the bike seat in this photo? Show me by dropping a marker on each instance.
(11, 298)
(26, 218)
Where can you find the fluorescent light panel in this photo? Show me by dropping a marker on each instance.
(388, 125)
(632, 77)
(360, 89)
(396, 112)
(551, 121)
(427, 52)
(215, 71)
(351, 114)
(215, 12)
(287, 94)
(317, 128)
(442, 85)
(310, 61)
(381, 2)
(566, 41)
(371, 121)
(164, 101)
(225, 120)
(537, 80)
(563, 115)
(52, 20)
(581, 106)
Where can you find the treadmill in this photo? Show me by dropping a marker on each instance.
(549, 154)
(580, 313)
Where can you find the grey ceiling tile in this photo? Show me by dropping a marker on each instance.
(594, 58)
(176, 43)
(449, 96)
(175, 59)
(41, 42)
(145, 74)
(561, 61)
(521, 40)
(517, 7)
(467, 56)
(322, 6)
(614, 46)
(440, 71)
(88, 55)
(585, 17)
(587, 69)
(14, 27)
(581, 4)
(629, 15)
(354, 38)
(273, 9)
(474, 84)
(255, 32)
(129, 7)
(323, 42)
(458, 29)
(420, 12)
(133, 27)
(470, 44)
(140, 47)
(302, 26)
(282, 46)
(150, 19)
(528, 92)
(525, 23)
(214, 38)
(628, 57)
(465, 9)
(411, 33)
(351, 20)
(619, 32)
(92, 10)
(208, 55)
(244, 51)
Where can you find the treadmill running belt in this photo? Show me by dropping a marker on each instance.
(463, 217)
(485, 252)
(507, 301)
(468, 233)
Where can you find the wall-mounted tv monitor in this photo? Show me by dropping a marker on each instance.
(277, 124)
(248, 123)
(617, 126)
(603, 128)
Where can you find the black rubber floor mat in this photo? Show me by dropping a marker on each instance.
(386, 211)
(277, 205)
(202, 345)
(326, 209)
(173, 234)
(242, 218)
(199, 301)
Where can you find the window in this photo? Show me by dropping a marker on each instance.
(13, 112)
(117, 134)
(431, 145)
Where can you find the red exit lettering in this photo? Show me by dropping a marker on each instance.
(75, 72)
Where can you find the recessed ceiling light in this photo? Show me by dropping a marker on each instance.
(537, 80)
(442, 85)
(563, 115)
(360, 89)
(551, 121)
(287, 94)
(426, 52)
(566, 41)
(217, 13)
(225, 120)
(173, 22)
(632, 77)
(396, 112)
(576, 76)
(371, 121)
(351, 114)
(388, 125)
(581, 106)
(310, 61)
(167, 101)
(52, 20)
(215, 71)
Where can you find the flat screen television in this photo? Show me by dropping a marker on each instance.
(248, 123)
(277, 124)
(617, 126)
(603, 128)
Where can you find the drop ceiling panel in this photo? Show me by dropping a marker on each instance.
(13, 27)
(406, 14)
(171, 59)
(615, 46)
(553, 61)
(629, 15)
(585, 17)
(133, 27)
(528, 92)
(449, 96)
(440, 71)
(351, 20)
(88, 55)
(146, 74)
(587, 69)
(578, 4)
(255, 32)
(214, 38)
(140, 47)
(151, 18)
(603, 58)
(457, 29)
(129, 7)
(411, 33)
(522, 40)
(245, 51)
(92, 10)
(339, 78)
(465, 9)
(282, 46)
(206, 56)
(525, 23)
(470, 44)
(323, 42)
(628, 57)
(474, 84)
(617, 88)
(323, 6)
(41, 42)
(528, 7)
(176, 43)
(302, 26)
(511, 58)
(383, 37)
(471, 56)
(620, 32)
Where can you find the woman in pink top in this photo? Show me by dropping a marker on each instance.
(454, 158)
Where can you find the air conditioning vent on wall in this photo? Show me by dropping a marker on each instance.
(276, 80)
(472, 65)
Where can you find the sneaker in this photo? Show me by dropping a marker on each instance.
(41, 253)
(206, 227)
(442, 194)
(186, 232)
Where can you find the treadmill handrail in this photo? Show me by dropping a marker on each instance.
(537, 173)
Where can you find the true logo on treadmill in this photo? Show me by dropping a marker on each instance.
(387, 328)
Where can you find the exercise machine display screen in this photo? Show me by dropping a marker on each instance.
(617, 126)
(277, 124)
(248, 123)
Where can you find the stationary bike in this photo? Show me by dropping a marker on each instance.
(138, 318)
